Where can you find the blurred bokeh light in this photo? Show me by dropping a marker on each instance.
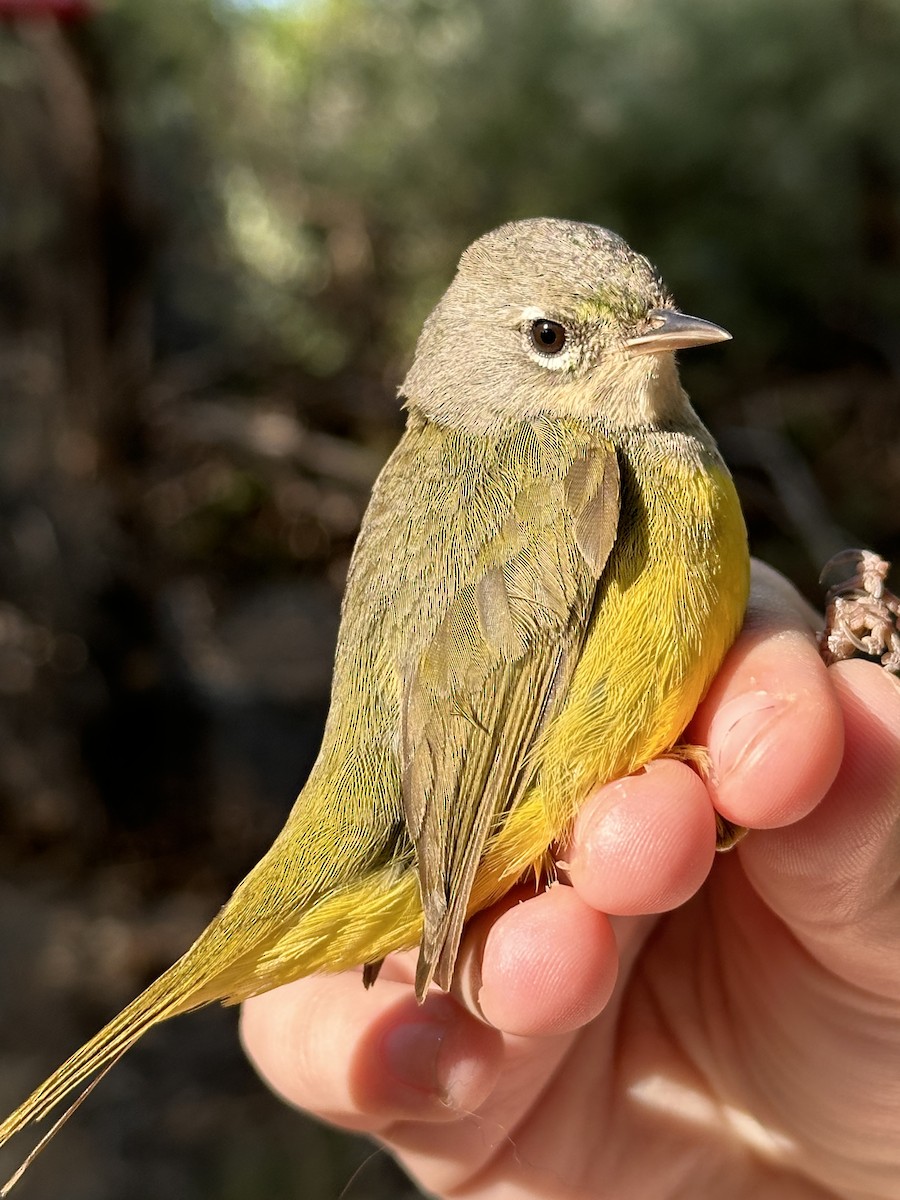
(221, 224)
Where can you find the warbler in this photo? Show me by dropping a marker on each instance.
(550, 571)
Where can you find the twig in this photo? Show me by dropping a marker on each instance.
(862, 614)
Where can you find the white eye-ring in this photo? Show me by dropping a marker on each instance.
(548, 341)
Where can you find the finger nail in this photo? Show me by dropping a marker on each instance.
(600, 811)
(412, 1053)
(740, 732)
(425, 1057)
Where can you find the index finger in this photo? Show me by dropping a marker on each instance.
(771, 719)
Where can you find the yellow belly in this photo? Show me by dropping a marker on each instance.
(672, 602)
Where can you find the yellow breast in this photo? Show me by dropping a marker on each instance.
(670, 604)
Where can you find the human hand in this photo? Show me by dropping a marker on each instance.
(744, 1043)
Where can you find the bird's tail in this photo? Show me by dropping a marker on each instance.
(177, 990)
(272, 930)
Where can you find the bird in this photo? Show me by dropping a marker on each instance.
(551, 568)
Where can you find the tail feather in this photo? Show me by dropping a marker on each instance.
(57, 1125)
(175, 991)
(248, 948)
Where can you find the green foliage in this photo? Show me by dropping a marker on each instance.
(351, 148)
(207, 300)
(314, 170)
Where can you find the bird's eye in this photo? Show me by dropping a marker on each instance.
(548, 337)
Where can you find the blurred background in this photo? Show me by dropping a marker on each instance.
(221, 225)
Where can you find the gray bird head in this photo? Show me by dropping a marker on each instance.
(550, 316)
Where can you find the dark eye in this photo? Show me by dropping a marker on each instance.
(548, 336)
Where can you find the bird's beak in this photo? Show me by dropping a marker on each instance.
(668, 330)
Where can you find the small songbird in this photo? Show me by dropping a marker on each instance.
(550, 571)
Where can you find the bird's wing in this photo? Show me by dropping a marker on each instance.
(497, 662)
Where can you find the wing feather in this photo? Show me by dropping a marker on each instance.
(477, 693)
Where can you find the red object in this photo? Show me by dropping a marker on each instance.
(70, 10)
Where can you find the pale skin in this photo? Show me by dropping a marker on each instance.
(744, 1043)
